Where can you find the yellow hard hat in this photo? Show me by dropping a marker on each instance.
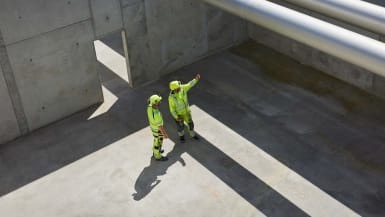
(174, 85)
(154, 99)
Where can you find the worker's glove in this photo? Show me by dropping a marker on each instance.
(198, 77)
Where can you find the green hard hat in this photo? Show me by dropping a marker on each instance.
(174, 85)
(154, 99)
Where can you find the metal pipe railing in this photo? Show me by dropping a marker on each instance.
(360, 13)
(336, 41)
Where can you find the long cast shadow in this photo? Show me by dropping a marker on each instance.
(324, 163)
(238, 178)
(250, 187)
(148, 178)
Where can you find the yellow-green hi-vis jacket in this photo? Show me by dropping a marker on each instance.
(178, 102)
(155, 119)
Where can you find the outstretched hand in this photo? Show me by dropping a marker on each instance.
(197, 77)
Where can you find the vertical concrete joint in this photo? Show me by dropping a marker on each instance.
(125, 49)
(92, 18)
(13, 91)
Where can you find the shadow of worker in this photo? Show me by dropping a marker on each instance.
(148, 178)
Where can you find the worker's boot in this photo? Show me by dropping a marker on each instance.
(193, 134)
(181, 139)
(162, 158)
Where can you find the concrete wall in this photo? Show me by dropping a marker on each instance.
(55, 73)
(107, 16)
(48, 63)
(48, 45)
(163, 35)
(331, 65)
(23, 19)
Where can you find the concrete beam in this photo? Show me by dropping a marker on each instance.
(360, 13)
(347, 45)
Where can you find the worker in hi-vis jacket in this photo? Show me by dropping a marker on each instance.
(155, 120)
(180, 108)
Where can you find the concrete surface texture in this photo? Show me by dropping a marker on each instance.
(11, 119)
(49, 63)
(272, 144)
(56, 73)
(8, 123)
(107, 16)
(21, 19)
(52, 62)
(51, 58)
(165, 35)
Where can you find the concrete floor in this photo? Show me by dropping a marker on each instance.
(277, 139)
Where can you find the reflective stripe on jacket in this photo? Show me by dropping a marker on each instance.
(178, 102)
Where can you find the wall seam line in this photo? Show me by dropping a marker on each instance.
(47, 32)
(13, 90)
